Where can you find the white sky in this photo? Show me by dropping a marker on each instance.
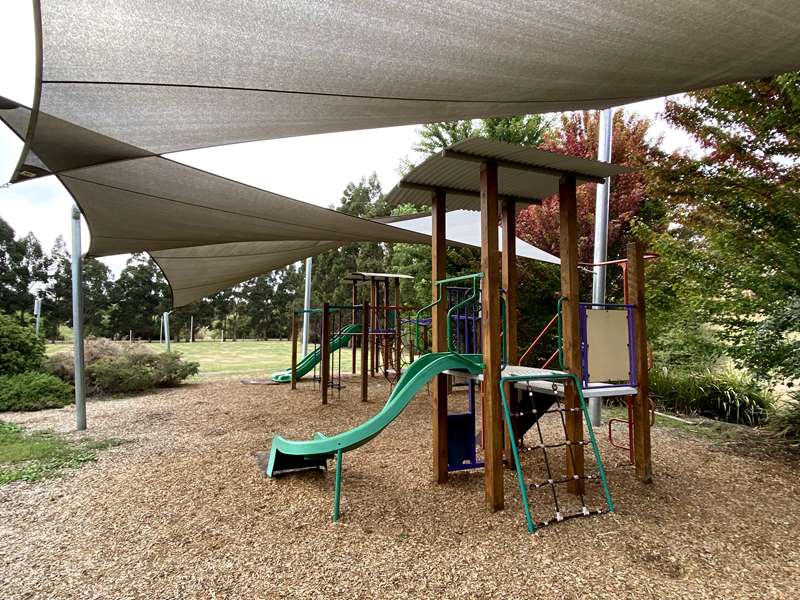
(282, 166)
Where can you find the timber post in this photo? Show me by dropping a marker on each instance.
(509, 277)
(491, 325)
(439, 331)
(364, 351)
(325, 349)
(571, 338)
(641, 402)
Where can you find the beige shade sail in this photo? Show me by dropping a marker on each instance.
(153, 203)
(193, 273)
(161, 77)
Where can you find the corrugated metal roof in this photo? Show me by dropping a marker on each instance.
(363, 276)
(526, 174)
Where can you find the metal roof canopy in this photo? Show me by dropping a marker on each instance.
(464, 226)
(364, 276)
(525, 175)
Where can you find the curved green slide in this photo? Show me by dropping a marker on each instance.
(288, 455)
(304, 366)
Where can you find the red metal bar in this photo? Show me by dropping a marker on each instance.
(549, 361)
(538, 339)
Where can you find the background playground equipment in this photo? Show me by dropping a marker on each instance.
(373, 325)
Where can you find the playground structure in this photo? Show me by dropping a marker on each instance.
(513, 396)
(372, 323)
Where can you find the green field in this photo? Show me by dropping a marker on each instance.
(229, 359)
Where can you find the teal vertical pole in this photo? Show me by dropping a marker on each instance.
(515, 452)
(337, 490)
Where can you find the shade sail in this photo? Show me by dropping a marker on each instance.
(525, 174)
(162, 77)
(153, 203)
(194, 273)
(465, 226)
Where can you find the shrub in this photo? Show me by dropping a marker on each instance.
(96, 349)
(727, 395)
(118, 375)
(784, 422)
(61, 365)
(112, 368)
(33, 391)
(171, 370)
(20, 349)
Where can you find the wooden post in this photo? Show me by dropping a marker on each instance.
(373, 324)
(354, 339)
(398, 335)
(364, 351)
(509, 276)
(439, 327)
(491, 328)
(571, 337)
(325, 349)
(294, 350)
(641, 402)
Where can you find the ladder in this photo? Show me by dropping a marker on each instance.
(552, 481)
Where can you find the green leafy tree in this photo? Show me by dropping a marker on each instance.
(138, 298)
(732, 251)
(23, 270)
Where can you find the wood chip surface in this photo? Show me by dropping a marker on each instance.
(184, 512)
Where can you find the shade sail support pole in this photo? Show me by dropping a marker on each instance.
(602, 197)
(307, 304)
(77, 321)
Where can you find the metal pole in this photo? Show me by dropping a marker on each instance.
(77, 321)
(166, 329)
(605, 127)
(306, 305)
(191, 328)
(37, 311)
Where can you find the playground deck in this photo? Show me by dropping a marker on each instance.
(596, 390)
(183, 511)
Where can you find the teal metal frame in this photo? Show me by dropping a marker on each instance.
(515, 451)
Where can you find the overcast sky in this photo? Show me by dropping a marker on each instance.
(314, 169)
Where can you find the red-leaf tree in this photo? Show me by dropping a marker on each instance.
(577, 136)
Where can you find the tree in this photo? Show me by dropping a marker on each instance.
(577, 136)
(57, 306)
(23, 269)
(528, 130)
(734, 239)
(138, 298)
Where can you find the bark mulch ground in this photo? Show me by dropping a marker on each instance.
(182, 511)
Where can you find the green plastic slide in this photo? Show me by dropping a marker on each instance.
(288, 455)
(307, 364)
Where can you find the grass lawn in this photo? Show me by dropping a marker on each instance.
(40, 454)
(232, 359)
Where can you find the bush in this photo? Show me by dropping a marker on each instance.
(61, 365)
(171, 370)
(113, 369)
(20, 349)
(118, 376)
(33, 391)
(784, 422)
(96, 349)
(726, 395)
